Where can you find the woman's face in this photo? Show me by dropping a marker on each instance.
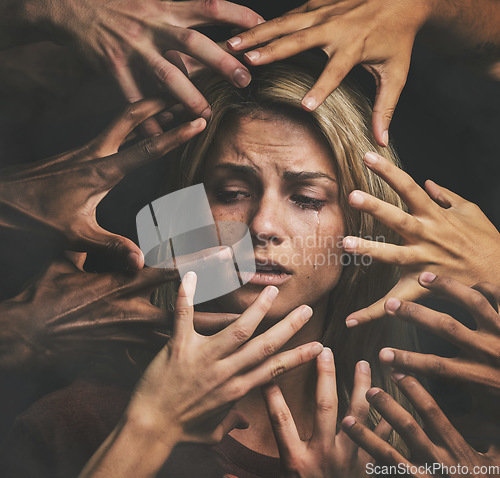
(278, 176)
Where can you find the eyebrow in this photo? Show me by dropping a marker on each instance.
(295, 175)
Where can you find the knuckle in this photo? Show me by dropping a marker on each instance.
(211, 8)
(241, 334)
(410, 426)
(448, 324)
(188, 38)
(326, 404)
(148, 147)
(268, 349)
(113, 247)
(131, 113)
(277, 368)
(430, 408)
(280, 418)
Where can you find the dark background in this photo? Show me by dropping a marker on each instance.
(446, 128)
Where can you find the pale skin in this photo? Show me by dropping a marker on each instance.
(276, 205)
(442, 233)
(115, 34)
(379, 35)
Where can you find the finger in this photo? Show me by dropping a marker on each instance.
(404, 424)
(133, 94)
(491, 292)
(392, 216)
(440, 324)
(284, 429)
(337, 68)
(184, 310)
(358, 406)
(383, 429)
(233, 420)
(227, 13)
(270, 30)
(473, 300)
(273, 367)
(325, 418)
(174, 57)
(433, 366)
(77, 258)
(433, 417)
(389, 88)
(209, 323)
(379, 449)
(153, 148)
(407, 288)
(176, 82)
(122, 251)
(268, 343)
(444, 197)
(212, 55)
(380, 251)
(285, 47)
(240, 331)
(134, 114)
(410, 192)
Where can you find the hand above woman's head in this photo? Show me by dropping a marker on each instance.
(116, 34)
(478, 362)
(438, 444)
(327, 452)
(442, 233)
(58, 197)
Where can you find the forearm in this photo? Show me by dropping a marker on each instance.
(466, 29)
(132, 450)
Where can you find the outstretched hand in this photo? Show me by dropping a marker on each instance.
(478, 363)
(376, 34)
(442, 233)
(440, 444)
(114, 34)
(326, 453)
(59, 196)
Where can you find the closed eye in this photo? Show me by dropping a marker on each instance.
(306, 202)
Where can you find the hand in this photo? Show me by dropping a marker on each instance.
(376, 34)
(70, 315)
(114, 33)
(440, 444)
(326, 453)
(478, 363)
(442, 233)
(59, 196)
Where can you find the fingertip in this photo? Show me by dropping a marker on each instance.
(371, 158)
(426, 278)
(386, 355)
(309, 103)
(199, 123)
(134, 261)
(348, 422)
(392, 305)
(233, 43)
(350, 323)
(189, 285)
(364, 367)
(372, 392)
(397, 376)
(326, 355)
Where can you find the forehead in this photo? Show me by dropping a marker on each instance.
(272, 140)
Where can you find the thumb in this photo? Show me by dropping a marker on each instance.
(124, 252)
(390, 83)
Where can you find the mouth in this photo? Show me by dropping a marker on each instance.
(267, 272)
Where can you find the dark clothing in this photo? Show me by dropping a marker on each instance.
(60, 432)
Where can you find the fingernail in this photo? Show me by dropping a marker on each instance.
(234, 42)
(386, 355)
(349, 421)
(199, 122)
(252, 55)
(350, 242)
(207, 113)
(189, 284)
(272, 292)
(371, 158)
(427, 277)
(356, 199)
(326, 355)
(364, 366)
(391, 305)
(397, 376)
(372, 392)
(351, 323)
(306, 312)
(241, 77)
(134, 261)
(309, 103)
(385, 137)
(316, 349)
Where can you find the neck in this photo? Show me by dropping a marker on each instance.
(296, 388)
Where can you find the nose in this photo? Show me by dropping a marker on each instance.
(267, 222)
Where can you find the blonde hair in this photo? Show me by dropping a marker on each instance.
(344, 121)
